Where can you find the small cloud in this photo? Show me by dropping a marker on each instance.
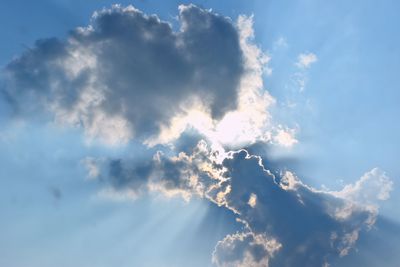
(245, 249)
(252, 200)
(305, 60)
(300, 79)
(268, 71)
(92, 165)
(372, 187)
(285, 137)
(280, 43)
(117, 196)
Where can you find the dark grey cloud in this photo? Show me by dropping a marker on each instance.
(378, 247)
(286, 223)
(130, 71)
(301, 219)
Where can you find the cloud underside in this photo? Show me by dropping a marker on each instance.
(192, 91)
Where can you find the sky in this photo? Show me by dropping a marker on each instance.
(199, 133)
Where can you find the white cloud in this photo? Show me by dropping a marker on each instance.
(110, 193)
(373, 186)
(305, 60)
(92, 166)
(256, 250)
(281, 42)
(252, 200)
(285, 137)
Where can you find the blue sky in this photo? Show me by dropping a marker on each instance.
(83, 184)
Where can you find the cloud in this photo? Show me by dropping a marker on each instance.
(285, 222)
(304, 221)
(130, 76)
(184, 175)
(305, 60)
(281, 42)
(127, 74)
(381, 242)
(285, 137)
(245, 250)
(92, 165)
(195, 97)
(250, 121)
(373, 186)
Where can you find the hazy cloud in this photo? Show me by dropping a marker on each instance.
(305, 60)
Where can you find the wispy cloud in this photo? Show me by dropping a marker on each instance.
(305, 60)
(281, 42)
